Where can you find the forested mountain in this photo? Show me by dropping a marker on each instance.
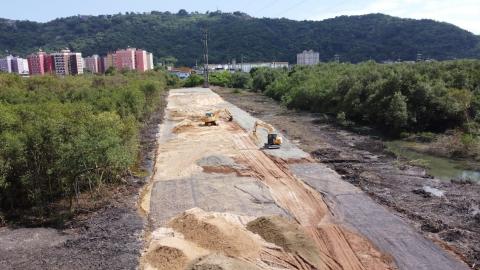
(354, 38)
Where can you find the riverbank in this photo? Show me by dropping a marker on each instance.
(452, 219)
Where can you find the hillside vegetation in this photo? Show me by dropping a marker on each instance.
(62, 136)
(355, 38)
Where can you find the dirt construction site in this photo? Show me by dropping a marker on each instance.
(217, 200)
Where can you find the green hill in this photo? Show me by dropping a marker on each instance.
(354, 38)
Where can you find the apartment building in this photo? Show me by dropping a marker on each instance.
(125, 59)
(141, 61)
(75, 64)
(20, 66)
(67, 63)
(92, 63)
(150, 61)
(308, 58)
(6, 64)
(60, 62)
(36, 63)
(109, 61)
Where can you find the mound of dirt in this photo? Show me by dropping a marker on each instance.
(167, 258)
(288, 235)
(183, 126)
(219, 262)
(214, 233)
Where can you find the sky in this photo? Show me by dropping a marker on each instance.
(463, 13)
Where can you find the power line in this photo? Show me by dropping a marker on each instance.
(301, 2)
(266, 6)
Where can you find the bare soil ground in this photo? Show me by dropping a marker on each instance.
(107, 236)
(211, 181)
(452, 220)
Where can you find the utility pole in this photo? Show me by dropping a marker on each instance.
(206, 83)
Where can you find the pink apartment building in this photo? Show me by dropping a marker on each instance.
(125, 59)
(141, 61)
(36, 63)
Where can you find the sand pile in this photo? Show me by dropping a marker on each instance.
(208, 241)
(288, 235)
(183, 126)
(167, 258)
(214, 233)
(220, 262)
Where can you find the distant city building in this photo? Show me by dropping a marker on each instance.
(36, 63)
(19, 66)
(125, 59)
(141, 62)
(109, 61)
(67, 63)
(60, 62)
(75, 64)
(150, 61)
(308, 58)
(246, 67)
(6, 64)
(92, 63)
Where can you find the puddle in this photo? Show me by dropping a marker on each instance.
(442, 168)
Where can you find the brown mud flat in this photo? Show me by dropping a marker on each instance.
(452, 221)
(106, 238)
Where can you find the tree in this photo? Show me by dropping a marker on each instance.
(397, 114)
(241, 80)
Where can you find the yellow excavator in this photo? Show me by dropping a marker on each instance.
(211, 118)
(274, 141)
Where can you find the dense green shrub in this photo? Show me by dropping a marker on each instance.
(240, 80)
(221, 78)
(193, 81)
(62, 136)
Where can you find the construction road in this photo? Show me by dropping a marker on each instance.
(217, 201)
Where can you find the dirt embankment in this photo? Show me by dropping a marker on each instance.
(108, 236)
(452, 219)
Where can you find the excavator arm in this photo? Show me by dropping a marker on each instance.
(270, 129)
(224, 112)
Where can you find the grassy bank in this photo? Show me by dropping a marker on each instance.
(60, 137)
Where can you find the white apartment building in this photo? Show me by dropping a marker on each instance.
(68, 63)
(150, 61)
(20, 66)
(6, 64)
(308, 58)
(92, 63)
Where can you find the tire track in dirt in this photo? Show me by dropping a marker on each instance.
(308, 208)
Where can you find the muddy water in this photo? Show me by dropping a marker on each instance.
(442, 168)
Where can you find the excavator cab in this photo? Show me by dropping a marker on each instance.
(274, 141)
